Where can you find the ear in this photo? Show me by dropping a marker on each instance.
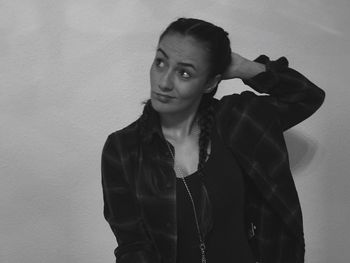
(212, 83)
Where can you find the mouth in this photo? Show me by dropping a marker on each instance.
(162, 97)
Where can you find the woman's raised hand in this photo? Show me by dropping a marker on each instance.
(242, 68)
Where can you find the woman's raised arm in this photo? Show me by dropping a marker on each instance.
(292, 95)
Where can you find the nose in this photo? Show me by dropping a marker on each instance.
(165, 81)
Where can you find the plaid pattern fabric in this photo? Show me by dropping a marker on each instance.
(252, 127)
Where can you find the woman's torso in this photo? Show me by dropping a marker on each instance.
(227, 241)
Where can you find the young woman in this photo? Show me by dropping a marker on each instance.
(197, 179)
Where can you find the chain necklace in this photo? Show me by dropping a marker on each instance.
(177, 168)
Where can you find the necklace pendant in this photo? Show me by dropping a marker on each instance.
(202, 248)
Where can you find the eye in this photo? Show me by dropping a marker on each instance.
(184, 74)
(159, 62)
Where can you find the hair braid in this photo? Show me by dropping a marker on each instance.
(206, 122)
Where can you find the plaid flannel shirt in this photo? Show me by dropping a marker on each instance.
(252, 127)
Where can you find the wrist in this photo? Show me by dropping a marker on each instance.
(234, 70)
(249, 69)
(242, 68)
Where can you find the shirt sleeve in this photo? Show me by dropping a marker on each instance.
(292, 96)
(121, 209)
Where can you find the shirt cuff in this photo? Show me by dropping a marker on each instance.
(265, 82)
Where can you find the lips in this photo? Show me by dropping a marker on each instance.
(164, 96)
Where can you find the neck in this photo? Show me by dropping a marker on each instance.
(178, 126)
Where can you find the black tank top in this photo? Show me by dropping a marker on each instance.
(227, 240)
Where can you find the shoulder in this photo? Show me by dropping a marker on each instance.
(124, 139)
(131, 129)
(245, 104)
(242, 116)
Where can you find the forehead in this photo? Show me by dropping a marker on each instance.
(182, 48)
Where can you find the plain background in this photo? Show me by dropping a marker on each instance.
(73, 71)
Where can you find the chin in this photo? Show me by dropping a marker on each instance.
(161, 107)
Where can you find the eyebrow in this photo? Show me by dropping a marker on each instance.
(185, 64)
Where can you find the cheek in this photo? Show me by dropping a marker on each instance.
(154, 76)
(189, 90)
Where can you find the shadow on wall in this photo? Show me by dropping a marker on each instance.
(301, 150)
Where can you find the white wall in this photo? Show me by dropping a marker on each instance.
(71, 72)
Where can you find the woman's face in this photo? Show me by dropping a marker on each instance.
(179, 74)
